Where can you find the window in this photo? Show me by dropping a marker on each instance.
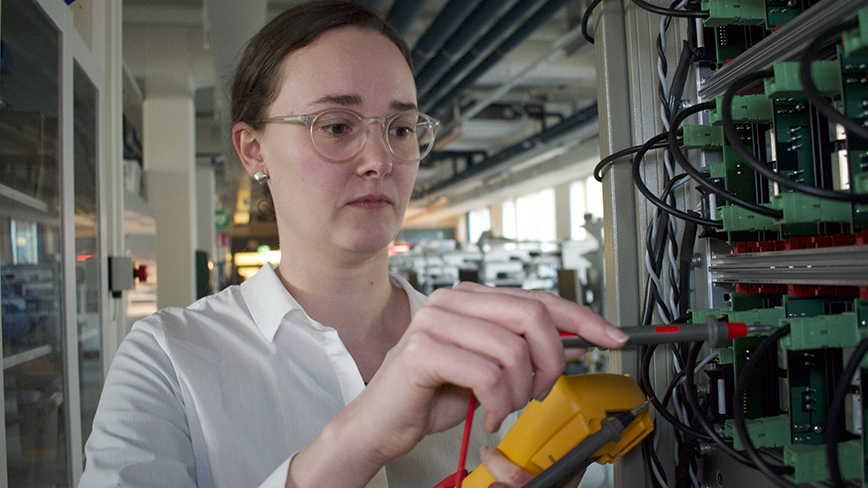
(578, 207)
(478, 221)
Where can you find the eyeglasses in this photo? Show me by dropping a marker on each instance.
(339, 135)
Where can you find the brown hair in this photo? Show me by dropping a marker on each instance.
(258, 78)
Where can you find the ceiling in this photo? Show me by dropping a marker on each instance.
(518, 117)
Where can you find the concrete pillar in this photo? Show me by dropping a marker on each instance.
(563, 213)
(496, 212)
(168, 147)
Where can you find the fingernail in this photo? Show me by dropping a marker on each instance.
(617, 334)
(542, 396)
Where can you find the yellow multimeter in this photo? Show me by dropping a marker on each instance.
(573, 410)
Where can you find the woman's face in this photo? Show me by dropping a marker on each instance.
(349, 210)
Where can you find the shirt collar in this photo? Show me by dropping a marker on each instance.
(268, 300)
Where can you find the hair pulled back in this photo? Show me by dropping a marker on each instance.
(258, 76)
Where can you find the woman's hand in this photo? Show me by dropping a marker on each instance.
(508, 474)
(500, 344)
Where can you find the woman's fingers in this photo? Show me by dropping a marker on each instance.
(568, 316)
(524, 317)
(508, 350)
(509, 474)
(503, 470)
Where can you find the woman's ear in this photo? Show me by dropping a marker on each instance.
(246, 142)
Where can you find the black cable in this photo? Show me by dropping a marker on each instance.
(650, 455)
(610, 159)
(586, 19)
(679, 78)
(690, 14)
(664, 65)
(657, 251)
(656, 248)
(649, 392)
(735, 141)
(810, 88)
(698, 176)
(835, 420)
(738, 402)
(690, 389)
(637, 179)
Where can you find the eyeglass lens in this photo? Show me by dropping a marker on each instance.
(339, 135)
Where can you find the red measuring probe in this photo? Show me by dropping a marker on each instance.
(712, 331)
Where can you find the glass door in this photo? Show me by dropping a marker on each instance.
(87, 255)
(30, 248)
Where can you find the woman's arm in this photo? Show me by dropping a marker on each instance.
(140, 434)
(502, 345)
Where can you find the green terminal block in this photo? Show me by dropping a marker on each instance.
(702, 136)
(797, 208)
(764, 432)
(800, 208)
(699, 316)
(856, 40)
(748, 109)
(729, 12)
(737, 219)
(717, 171)
(809, 461)
(786, 83)
(759, 316)
(822, 331)
(725, 355)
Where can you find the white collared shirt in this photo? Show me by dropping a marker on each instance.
(224, 392)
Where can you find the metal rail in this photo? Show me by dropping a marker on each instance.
(843, 265)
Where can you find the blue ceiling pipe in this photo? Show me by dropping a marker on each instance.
(579, 119)
(470, 30)
(446, 22)
(497, 33)
(403, 13)
(541, 16)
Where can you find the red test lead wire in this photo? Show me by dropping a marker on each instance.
(465, 442)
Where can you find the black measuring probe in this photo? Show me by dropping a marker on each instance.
(712, 331)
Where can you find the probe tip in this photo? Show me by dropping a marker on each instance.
(759, 329)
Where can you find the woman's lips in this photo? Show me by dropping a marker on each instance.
(372, 202)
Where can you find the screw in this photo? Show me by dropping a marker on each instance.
(696, 261)
(818, 429)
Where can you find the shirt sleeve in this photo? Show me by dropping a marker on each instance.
(140, 433)
(278, 477)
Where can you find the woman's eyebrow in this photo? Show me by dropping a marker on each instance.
(349, 100)
(403, 106)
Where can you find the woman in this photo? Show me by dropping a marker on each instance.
(327, 369)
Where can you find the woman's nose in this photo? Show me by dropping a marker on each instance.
(375, 160)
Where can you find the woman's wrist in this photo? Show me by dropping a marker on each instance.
(339, 456)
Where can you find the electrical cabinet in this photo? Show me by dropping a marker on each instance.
(750, 156)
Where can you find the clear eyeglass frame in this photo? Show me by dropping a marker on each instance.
(430, 124)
